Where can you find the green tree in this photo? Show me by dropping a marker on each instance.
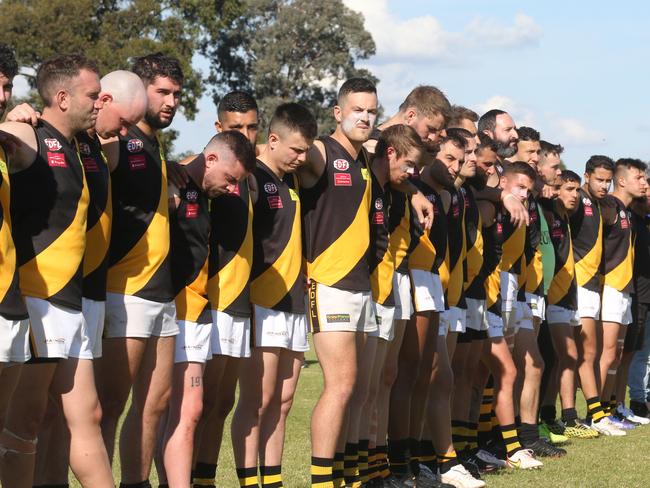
(288, 50)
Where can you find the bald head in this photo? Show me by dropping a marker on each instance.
(124, 101)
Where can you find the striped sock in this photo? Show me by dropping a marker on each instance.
(612, 404)
(472, 435)
(351, 463)
(271, 476)
(595, 409)
(373, 459)
(510, 439)
(382, 462)
(397, 456)
(428, 455)
(485, 423)
(247, 476)
(321, 472)
(458, 435)
(447, 461)
(363, 460)
(203, 475)
(337, 472)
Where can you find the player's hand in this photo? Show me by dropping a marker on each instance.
(518, 213)
(176, 174)
(10, 142)
(24, 113)
(423, 209)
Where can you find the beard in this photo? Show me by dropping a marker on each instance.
(440, 174)
(504, 150)
(154, 120)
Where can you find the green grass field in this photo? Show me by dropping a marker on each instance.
(603, 462)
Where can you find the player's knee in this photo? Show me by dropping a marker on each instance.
(192, 411)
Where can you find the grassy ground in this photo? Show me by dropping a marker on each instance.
(603, 462)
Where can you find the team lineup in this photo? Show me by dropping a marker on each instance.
(454, 279)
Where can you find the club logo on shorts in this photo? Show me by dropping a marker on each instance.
(270, 188)
(134, 145)
(337, 318)
(341, 165)
(53, 144)
(379, 204)
(84, 149)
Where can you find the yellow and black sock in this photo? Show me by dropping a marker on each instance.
(414, 455)
(321, 472)
(382, 462)
(397, 458)
(351, 463)
(612, 404)
(472, 435)
(372, 463)
(458, 435)
(271, 476)
(595, 409)
(338, 472)
(363, 460)
(203, 475)
(484, 419)
(428, 455)
(447, 461)
(247, 477)
(510, 439)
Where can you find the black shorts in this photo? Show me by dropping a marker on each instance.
(636, 330)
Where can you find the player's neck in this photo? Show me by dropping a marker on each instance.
(428, 179)
(195, 169)
(59, 121)
(381, 169)
(623, 196)
(147, 129)
(266, 156)
(352, 147)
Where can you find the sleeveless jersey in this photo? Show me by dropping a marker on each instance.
(100, 210)
(563, 289)
(276, 279)
(618, 247)
(404, 235)
(139, 250)
(533, 251)
(455, 296)
(12, 306)
(431, 248)
(335, 220)
(493, 238)
(587, 231)
(231, 251)
(380, 258)
(49, 208)
(514, 240)
(473, 236)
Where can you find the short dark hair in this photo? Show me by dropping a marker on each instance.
(549, 148)
(486, 142)
(521, 168)
(599, 161)
(401, 137)
(236, 101)
(56, 72)
(240, 146)
(428, 101)
(460, 113)
(455, 138)
(631, 163)
(8, 63)
(356, 85)
(568, 175)
(151, 66)
(459, 131)
(527, 134)
(295, 118)
(488, 120)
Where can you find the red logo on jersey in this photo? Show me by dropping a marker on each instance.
(624, 224)
(499, 228)
(90, 165)
(275, 201)
(342, 179)
(341, 165)
(56, 160)
(191, 210)
(53, 144)
(137, 162)
(134, 145)
(378, 218)
(589, 212)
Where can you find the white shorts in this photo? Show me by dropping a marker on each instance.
(560, 315)
(453, 320)
(616, 307)
(333, 310)
(476, 314)
(94, 313)
(231, 335)
(588, 303)
(402, 295)
(509, 290)
(193, 342)
(131, 316)
(426, 289)
(524, 317)
(537, 305)
(273, 328)
(494, 325)
(56, 331)
(384, 317)
(14, 340)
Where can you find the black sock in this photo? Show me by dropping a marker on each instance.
(569, 416)
(397, 461)
(547, 414)
(414, 452)
(142, 484)
(204, 474)
(528, 433)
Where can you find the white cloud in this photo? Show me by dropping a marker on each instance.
(573, 131)
(489, 33)
(521, 114)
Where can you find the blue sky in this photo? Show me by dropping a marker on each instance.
(576, 71)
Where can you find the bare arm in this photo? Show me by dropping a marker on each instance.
(487, 211)
(313, 168)
(24, 153)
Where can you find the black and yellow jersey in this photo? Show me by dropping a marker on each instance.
(139, 250)
(513, 244)
(403, 232)
(100, 211)
(335, 220)
(276, 278)
(49, 208)
(231, 252)
(587, 231)
(618, 246)
(533, 251)
(431, 248)
(455, 257)
(563, 289)
(189, 225)
(380, 258)
(473, 236)
(12, 306)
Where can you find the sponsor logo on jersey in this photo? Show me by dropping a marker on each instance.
(378, 218)
(191, 210)
(341, 165)
(379, 204)
(137, 162)
(53, 144)
(192, 195)
(134, 145)
(270, 188)
(274, 201)
(56, 160)
(90, 165)
(586, 201)
(84, 149)
(342, 179)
